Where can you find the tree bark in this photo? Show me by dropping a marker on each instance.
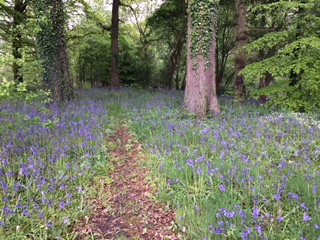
(177, 52)
(175, 58)
(241, 40)
(115, 72)
(19, 17)
(53, 50)
(200, 93)
(265, 82)
(61, 86)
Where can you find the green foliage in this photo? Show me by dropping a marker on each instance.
(18, 47)
(225, 45)
(168, 28)
(305, 94)
(93, 61)
(168, 18)
(137, 64)
(91, 54)
(291, 56)
(10, 91)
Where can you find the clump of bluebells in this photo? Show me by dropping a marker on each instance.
(247, 174)
(48, 155)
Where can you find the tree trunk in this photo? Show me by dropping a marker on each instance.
(176, 55)
(200, 93)
(115, 72)
(241, 40)
(18, 18)
(53, 50)
(265, 82)
(61, 87)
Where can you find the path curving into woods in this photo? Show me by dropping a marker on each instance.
(124, 209)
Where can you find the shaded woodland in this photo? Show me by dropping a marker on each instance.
(174, 119)
(267, 50)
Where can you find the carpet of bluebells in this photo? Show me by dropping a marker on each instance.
(248, 174)
(48, 155)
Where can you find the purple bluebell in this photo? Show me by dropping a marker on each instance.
(280, 219)
(306, 217)
(256, 212)
(66, 221)
(222, 188)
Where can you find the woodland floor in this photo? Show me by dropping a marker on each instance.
(124, 208)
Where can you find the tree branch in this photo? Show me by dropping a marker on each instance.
(90, 15)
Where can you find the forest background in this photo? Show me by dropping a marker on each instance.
(267, 50)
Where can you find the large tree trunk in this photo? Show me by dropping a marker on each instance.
(18, 18)
(61, 86)
(200, 93)
(53, 50)
(115, 72)
(241, 40)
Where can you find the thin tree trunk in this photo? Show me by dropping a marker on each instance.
(241, 40)
(265, 82)
(19, 17)
(183, 84)
(200, 93)
(176, 55)
(115, 72)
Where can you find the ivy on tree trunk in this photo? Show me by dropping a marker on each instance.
(53, 49)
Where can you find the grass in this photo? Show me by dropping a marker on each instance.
(247, 174)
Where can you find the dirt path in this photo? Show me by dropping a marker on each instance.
(128, 212)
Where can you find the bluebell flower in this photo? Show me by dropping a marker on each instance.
(259, 230)
(62, 204)
(25, 212)
(280, 219)
(49, 225)
(246, 234)
(306, 217)
(8, 211)
(223, 188)
(41, 215)
(294, 196)
(277, 197)
(66, 221)
(304, 207)
(218, 231)
(315, 189)
(256, 212)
